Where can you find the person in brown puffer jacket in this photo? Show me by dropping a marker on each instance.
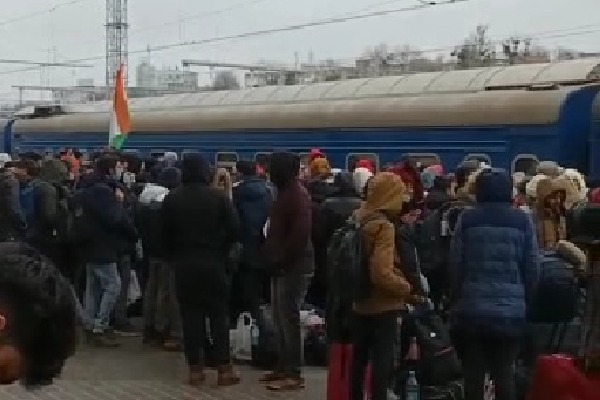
(552, 195)
(376, 319)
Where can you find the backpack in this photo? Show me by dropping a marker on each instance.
(556, 299)
(348, 262)
(27, 200)
(435, 234)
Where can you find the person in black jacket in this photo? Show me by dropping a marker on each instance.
(253, 199)
(12, 219)
(200, 226)
(106, 225)
(331, 215)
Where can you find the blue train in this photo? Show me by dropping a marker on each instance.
(510, 117)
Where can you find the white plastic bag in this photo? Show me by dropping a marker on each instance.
(134, 292)
(242, 350)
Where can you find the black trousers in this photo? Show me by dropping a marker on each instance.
(481, 354)
(374, 338)
(195, 343)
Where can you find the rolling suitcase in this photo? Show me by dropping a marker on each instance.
(339, 373)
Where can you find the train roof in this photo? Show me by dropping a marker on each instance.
(569, 72)
(501, 107)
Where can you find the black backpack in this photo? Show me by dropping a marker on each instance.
(435, 234)
(348, 262)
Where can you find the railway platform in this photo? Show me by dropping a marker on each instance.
(136, 372)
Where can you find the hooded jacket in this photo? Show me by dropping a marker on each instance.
(390, 290)
(108, 223)
(494, 261)
(288, 243)
(550, 215)
(253, 200)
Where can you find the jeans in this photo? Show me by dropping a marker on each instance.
(287, 295)
(481, 354)
(374, 339)
(124, 268)
(161, 309)
(103, 286)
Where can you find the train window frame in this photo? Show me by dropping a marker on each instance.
(522, 156)
(257, 154)
(376, 156)
(237, 157)
(433, 155)
(488, 160)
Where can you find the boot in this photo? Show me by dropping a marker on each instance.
(227, 376)
(196, 376)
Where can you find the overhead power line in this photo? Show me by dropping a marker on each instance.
(310, 24)
(38, 13)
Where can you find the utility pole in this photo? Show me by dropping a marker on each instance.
(117, 37)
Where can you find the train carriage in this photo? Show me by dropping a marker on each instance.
(510, 117)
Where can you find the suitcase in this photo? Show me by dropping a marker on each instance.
(556, 377)
(339, 373)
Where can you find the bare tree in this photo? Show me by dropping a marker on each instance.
(225, 80)
(476, 51)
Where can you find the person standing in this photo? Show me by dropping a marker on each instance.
(199, 228)
(290, 253)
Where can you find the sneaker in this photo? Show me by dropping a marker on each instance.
(100, 339)
(127, 330)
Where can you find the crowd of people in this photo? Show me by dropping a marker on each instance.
(209, 243)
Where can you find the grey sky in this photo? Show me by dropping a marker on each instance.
(77, 31)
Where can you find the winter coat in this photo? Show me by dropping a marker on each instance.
(253, 200)
(494, 261)
(199, 227)
(107, 222)
(390, 290)
(549, 212)
(288, 245)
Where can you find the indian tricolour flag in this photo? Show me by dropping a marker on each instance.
(119, 116)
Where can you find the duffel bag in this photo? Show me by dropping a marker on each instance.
(556, 299)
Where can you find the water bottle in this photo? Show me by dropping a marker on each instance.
(254, 333)
(412, 390)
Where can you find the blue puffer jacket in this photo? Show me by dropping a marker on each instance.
(494, 262)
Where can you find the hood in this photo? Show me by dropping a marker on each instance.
(320, 167)
(411, 178)
(284, 168)
(578, 181)
(360, 177)
(344, 184)
(54, 171)
(153, 193)
(252, 189)
(169, 177)
(195, 169)
(170, 158)
(549, 186)
(464, 170)
(493, 186)
(385, 192)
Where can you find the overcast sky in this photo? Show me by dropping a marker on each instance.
(77, 30)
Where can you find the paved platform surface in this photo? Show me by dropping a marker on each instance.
(135, 372)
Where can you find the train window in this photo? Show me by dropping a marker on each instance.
(353, 158)
(422, 160)
(480, 157)
(157, 153)
(226, 158)
(263, 159)
(304, 158)
(525, 163)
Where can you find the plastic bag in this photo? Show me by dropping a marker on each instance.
(134, 292)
